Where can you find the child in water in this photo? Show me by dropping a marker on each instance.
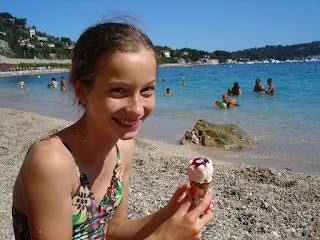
(75, 184)
(225, 103)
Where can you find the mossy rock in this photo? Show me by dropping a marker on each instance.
(228, 136)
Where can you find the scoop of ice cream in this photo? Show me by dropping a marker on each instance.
(200, 170)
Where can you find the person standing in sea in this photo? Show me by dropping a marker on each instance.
(258, 87)
(236, 89)
(62, 84)
(54, 83)
(271, 89)
(75, 184)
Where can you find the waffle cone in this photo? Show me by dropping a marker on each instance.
(203, 186)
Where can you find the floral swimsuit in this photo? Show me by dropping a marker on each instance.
(89, 220)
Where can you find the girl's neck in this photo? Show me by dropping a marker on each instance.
(88, 145)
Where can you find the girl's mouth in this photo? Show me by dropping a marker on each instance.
(128, 123)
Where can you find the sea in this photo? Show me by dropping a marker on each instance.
(285, 126)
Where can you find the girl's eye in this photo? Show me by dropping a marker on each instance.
(117, 90)
(148, 89)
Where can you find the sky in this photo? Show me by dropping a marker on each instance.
(207, 25)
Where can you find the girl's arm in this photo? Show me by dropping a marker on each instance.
(45, 187)
(121, 228)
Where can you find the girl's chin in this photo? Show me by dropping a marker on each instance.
(129, 136)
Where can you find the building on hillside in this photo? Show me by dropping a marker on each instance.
(165, 53)
(30, 45)
(44, 39)
(32, 32)
(52, 45)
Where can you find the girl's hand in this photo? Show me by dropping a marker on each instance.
(177, 199)
(185, 224)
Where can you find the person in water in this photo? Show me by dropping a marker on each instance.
(236, 89)
(74, 184)
(62, 84)
(22, 85)
(169, 93)
(227, 102)
(54, 83)
(271, 89)
(258, 87)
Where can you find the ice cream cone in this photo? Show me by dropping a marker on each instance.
(203, 186)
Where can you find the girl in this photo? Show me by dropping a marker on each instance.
(74, 184)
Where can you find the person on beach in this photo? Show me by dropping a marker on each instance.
(54, 83)
(258, 87)
(236, 89)
(62, 84)
(75, 184)
(271, 89)
(168, 92)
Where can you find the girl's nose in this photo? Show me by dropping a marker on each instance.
(135, 106)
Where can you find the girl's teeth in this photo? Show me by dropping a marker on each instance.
(124, 122)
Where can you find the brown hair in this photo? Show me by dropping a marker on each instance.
(103, 41)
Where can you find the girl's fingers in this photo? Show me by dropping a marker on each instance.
(198, 210)
(206, 218)
(184, 208)
(179, 193)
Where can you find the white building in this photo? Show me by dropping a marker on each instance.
(44, 39)
(32, 32)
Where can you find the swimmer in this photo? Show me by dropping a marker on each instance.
(271, 89)
(258, 87)
(54, 83)
(184, 82)
(230, 92)
(62, 84)
(236, 89)
(22, 85)
(168, 92)
(228, 103)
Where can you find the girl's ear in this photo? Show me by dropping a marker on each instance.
(82, 93)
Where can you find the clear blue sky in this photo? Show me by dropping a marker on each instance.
(207, 25)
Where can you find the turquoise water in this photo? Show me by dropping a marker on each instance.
(285, 123)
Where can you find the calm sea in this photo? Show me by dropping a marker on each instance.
(286, 125)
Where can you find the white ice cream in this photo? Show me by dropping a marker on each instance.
(200, 170)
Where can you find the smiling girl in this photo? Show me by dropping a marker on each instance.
(74, 184)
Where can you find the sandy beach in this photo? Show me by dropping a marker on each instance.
(252, 202)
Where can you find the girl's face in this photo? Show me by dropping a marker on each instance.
(123, 94)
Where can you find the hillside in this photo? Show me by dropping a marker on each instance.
(18, 40)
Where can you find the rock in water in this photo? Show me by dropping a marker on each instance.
(228, 136)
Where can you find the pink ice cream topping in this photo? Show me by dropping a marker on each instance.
(200, 170)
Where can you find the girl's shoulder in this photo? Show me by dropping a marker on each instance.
(50, 156)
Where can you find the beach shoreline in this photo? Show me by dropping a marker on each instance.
(33, 72)
(13, 73)
(252, 201)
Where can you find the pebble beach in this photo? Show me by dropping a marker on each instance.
(252, 202)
